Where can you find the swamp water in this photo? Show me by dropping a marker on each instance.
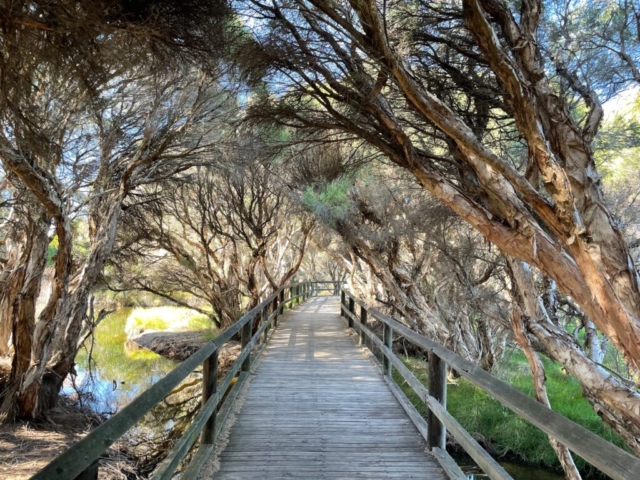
(112, 371)
(118, 371)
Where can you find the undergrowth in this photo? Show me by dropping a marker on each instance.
(502, 430)
(175, 319)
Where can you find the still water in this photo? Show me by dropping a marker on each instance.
(119, 369)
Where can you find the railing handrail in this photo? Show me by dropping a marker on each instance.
(602, 454)
(81, 456)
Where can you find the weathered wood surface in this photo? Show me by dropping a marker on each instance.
(604, 455)
(316, 408)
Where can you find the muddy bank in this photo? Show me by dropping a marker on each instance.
(181, 345)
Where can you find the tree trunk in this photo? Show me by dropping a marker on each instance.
(55, 339)
(617, 404)
(408, 299)
(561, 152)
(595, 347)
(540, 390)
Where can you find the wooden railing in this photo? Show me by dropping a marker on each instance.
(80, 461)
(332, 286)
(605, 456)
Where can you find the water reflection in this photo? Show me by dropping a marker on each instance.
(119, 370)
(112, 371)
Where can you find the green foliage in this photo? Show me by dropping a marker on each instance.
(52, 249)
(202, 323)
(330, 202)
(175, 319)
(617, 146)
(506, 432)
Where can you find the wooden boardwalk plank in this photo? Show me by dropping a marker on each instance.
(317, 409)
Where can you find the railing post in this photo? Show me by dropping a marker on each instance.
(281, 302)
(257, 325)
(264, 315)
(437, 389)
(89, 473)
(352, 310)
(247, 330)
(209, 388)
(363, 320)
(342, 303)
(387, 337)
(276, 311)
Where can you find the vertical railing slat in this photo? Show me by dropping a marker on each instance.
(209, 388)
(276, 311)
(247, 330)
(363, 320)
(437, 389)
(282, 295)
(387, 337)
(352, 309)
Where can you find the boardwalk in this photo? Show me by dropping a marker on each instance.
(317, 408)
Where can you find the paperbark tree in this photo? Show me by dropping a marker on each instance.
(215, 241)
(396, 80)
(143, 131)
(418, 261)
(26, 237)
(77, 139)
(618, 404)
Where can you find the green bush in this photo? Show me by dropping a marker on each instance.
(329, 202)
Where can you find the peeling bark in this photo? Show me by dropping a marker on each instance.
(617, 404)
(562, 227)
(540, 391)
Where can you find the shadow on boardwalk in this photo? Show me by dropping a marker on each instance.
(317, 408)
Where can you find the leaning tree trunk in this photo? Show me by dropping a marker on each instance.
(560, 150)
(585, 254)
(617, 404)
(540, 391)
(408, 299)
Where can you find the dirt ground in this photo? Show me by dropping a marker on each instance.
(181, 345)
(26, 447)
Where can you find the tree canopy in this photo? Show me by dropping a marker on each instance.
(470, 166)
